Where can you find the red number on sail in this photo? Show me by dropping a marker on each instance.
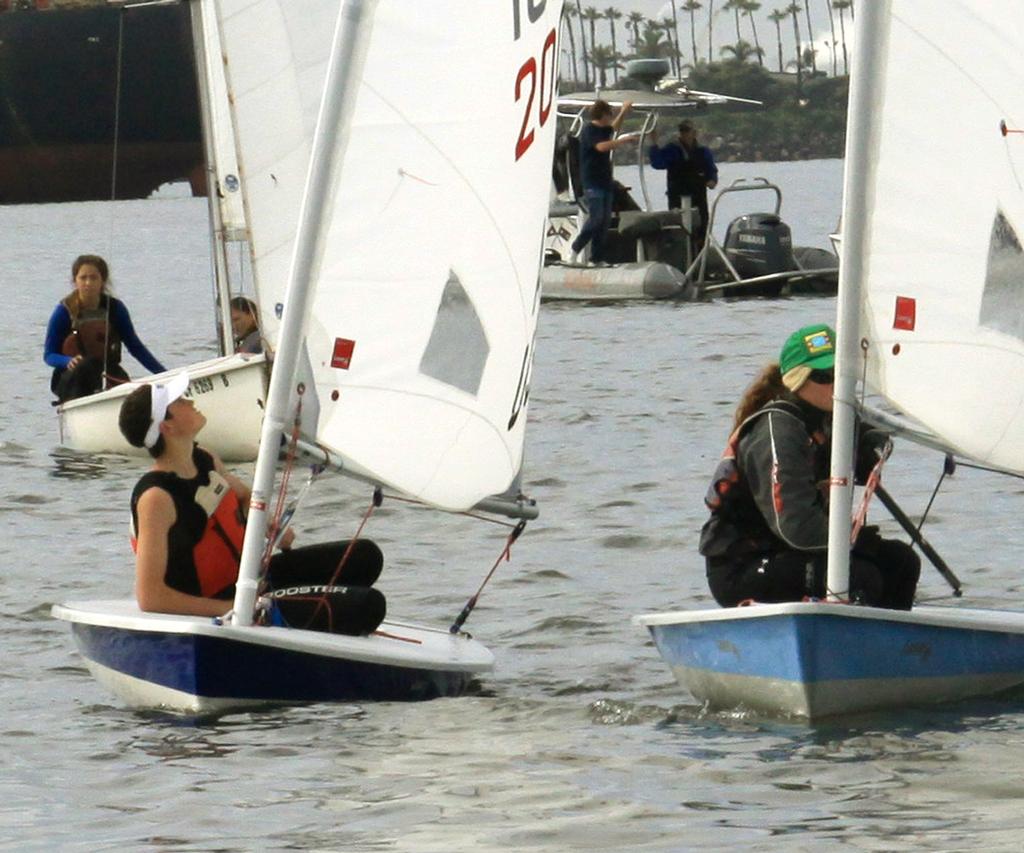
(526, 138)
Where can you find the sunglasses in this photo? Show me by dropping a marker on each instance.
(823, 377)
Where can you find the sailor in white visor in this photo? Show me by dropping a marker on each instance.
(163, 394)
(188, 528)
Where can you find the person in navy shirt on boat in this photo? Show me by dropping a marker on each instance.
(597, 141)
(188, 526)
(690, 171)
(767, 537)
(85, 333)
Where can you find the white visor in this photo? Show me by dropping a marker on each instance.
(163, 394)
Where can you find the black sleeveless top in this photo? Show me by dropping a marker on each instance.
(189, 525)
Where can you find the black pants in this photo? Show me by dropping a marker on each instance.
(700, 204)
(84, 379)
(886, 578)
(295, 586)
(316, 564)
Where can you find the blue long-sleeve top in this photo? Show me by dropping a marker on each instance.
(666, 156)
(59, 328)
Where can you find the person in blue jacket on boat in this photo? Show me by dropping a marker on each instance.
(690, 171)
(188, 525)
(85, 333)
(767, 537)
(597, 141)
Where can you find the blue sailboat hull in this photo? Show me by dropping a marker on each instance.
(815, 660)
(195, 665)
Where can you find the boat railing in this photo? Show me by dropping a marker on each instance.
(696, 272)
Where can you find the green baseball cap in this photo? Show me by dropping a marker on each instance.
(811, 346)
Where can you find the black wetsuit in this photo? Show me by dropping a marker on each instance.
(767, 539)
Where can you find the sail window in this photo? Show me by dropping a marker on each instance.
(458, 348)
(1002, 300)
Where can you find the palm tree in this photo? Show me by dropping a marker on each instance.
(650, 45)
(842, 6)
(591, 15)
(734, 6)
(692, 6)
(668, 25)
(635, 19)
(794, 9)
(675, 29)
(568, 13)
(741, 51)
(602, 58)
(711, 18)
(810, 33)
(777, 16)
(748, 8)
(612, 14)
(832, 29)
(583, 43)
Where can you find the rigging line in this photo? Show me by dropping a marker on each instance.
(948, 467)
(977, 467)
(117, 109)
(506, 554)
(375, 501)
(274, 527)
(467, 513)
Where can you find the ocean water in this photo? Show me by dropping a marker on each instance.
(580, 739)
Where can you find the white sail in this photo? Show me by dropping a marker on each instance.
(943, 306)
(426, 295)
(229, 196)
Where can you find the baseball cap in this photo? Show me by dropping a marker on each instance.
(807, 349)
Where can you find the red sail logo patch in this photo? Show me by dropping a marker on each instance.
(906, 313)
(342, 355)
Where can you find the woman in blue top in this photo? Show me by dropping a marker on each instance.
(85, 332)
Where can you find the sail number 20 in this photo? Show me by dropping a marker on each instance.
(541, 87)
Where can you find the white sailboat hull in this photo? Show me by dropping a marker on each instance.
(230, 391)
(814, 660)
(195, 665)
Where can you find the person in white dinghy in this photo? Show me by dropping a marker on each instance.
(85, 332)
(188, 524)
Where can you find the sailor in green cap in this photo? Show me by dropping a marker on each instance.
(767, 537)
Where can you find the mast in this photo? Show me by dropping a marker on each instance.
(861, 149)
(218, 245)
(329, 143)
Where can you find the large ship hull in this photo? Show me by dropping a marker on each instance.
(60, 112)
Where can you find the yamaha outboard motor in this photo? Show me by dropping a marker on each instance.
(759, 244)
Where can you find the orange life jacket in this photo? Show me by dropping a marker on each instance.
(217, 555)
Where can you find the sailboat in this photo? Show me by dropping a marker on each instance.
(407, 323)
(930, 301)
(231, 388)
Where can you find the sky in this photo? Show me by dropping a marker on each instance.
(725, 28)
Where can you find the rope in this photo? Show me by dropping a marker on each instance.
(506, 554)
(273, 528)
(947, 468)
(490, 519)
(117, 104)
(376, 501)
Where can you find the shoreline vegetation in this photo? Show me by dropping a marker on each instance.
(801, 82)
(808, 123)
(800, 120)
